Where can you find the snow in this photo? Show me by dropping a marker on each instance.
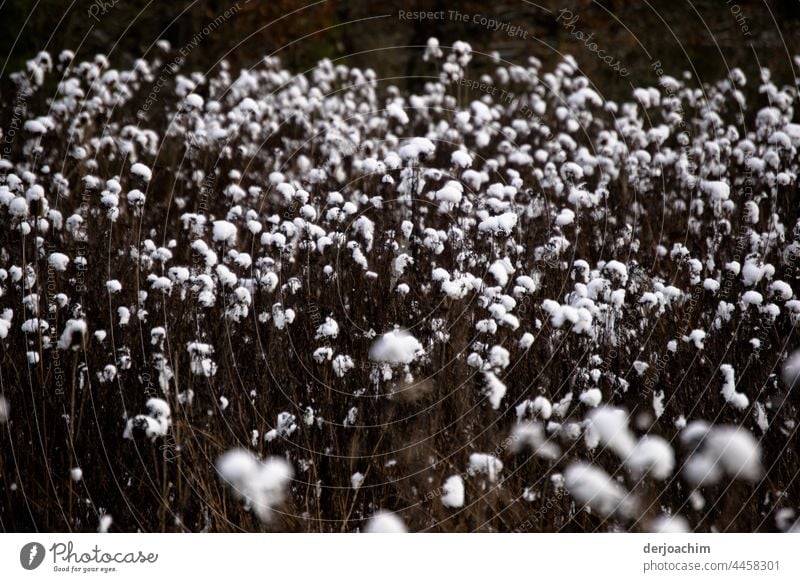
(385, 522)
(526, 341)
(395, 111)
(142, 171)
(500, 270)
(18, 207)
(619, 270)
(542, 407)
(73, 330)
(261, 485)
(58, 261)
(154, 425)
(591, 397)
(752, 298)
(752, 273)
(342, 364)
(499, 357)
(396, 347)
(224, 231)
(611, 427)
(485, 464)
(652, 456)
(201, 362)
(417, 147)
(716, 190)
(565, 217)
(732, 397)
(35, 126)
(499, 225)
(760, 414)
(658, 403)
(785, 520)
(124, 315)
(159, 409)
(495, 390)
(724, 451)
(531, 436)
(194, 101)
(697, 337)
(105, 523)
(34, 325)
(670, 524)
(329, 329)
(453, 492)
(452, 193)
(461, 159)
(781, 289)
(591, 486)
(5, 322)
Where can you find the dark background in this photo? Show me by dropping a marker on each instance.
(702, 33)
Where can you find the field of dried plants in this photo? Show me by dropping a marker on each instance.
(266, 300)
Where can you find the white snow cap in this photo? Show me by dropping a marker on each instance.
(461, 159)
(453, 492)
(565, 217)
(329, 328)
(531, 435)
(725, 450)
(385, 522)
(75, 329)
(485, 464)
(105, 523)
(155, 424)
(697, 337)
(611, 427)
(718, 191)
(499, 225)
(142, 171)
(591, 397)
(224, 231)
(593, 487)
(669, 524)
(5, 322)
(495, 390)
(652, 456)
(396, 347)
(416, 147)
(261, 485)
(732, 397)
(58, 261)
